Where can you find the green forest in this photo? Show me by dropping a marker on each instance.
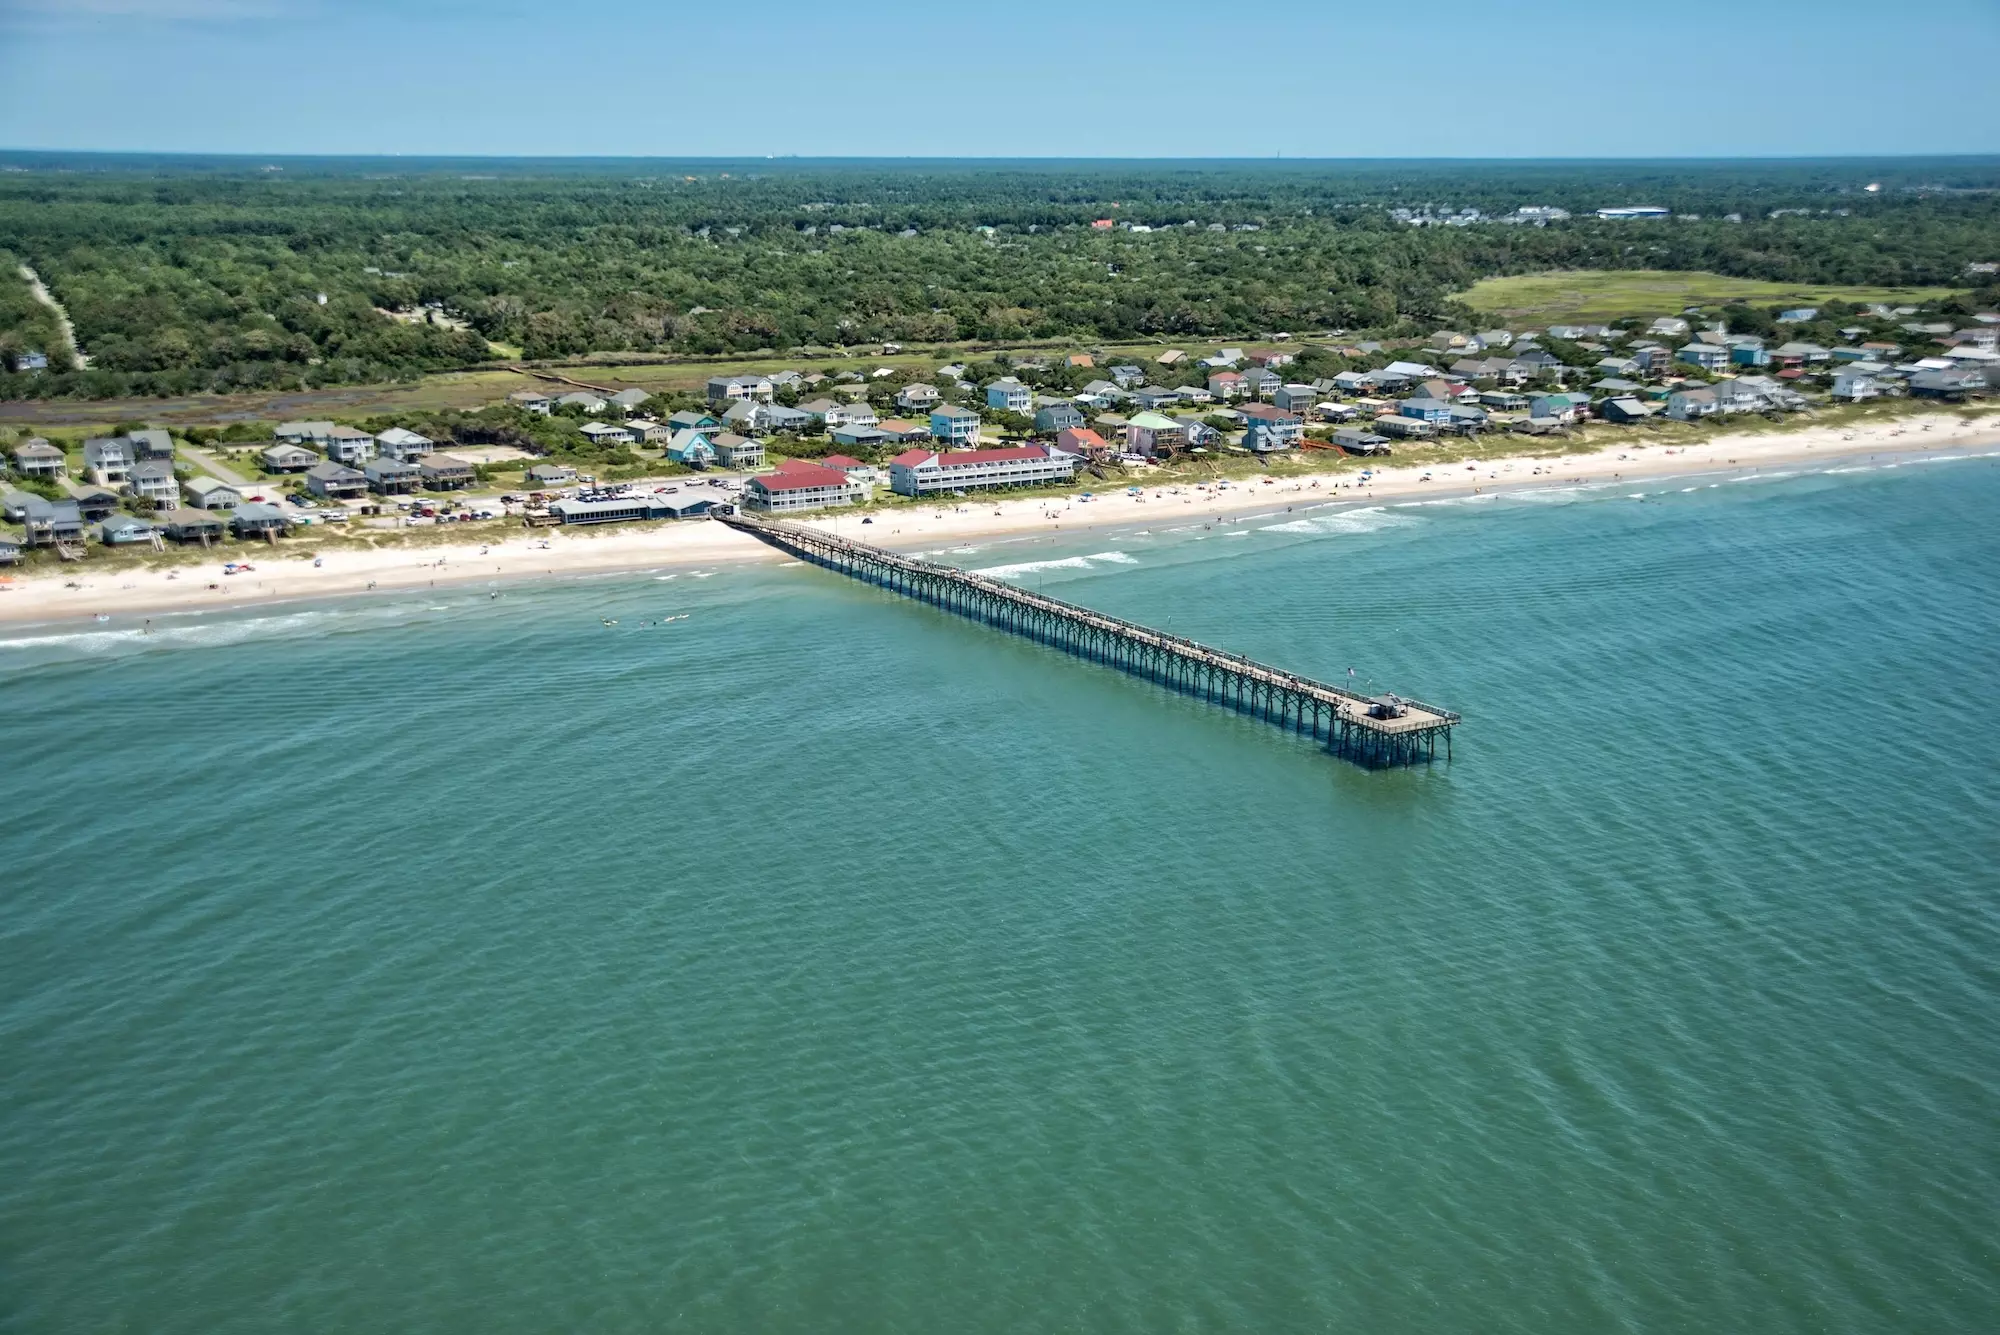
(184, 275)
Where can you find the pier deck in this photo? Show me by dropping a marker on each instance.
(1353, 725)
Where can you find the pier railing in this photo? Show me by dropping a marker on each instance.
(1345, 719)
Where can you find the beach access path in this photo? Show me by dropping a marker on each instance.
(74, 591)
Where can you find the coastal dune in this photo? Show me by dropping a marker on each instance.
(79, 592)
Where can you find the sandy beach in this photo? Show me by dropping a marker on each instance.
(522, 554)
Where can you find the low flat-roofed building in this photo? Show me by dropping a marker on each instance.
(625, 509)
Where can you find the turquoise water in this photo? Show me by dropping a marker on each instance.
(823, 963)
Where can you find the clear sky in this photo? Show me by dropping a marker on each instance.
(1170, 78)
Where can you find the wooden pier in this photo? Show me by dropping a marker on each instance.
(1378, 731)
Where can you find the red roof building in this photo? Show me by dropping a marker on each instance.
(798, 485)
(917, 472)
(1081, 440)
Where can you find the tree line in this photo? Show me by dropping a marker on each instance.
(181, 280)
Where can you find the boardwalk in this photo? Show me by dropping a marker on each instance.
(1373, 731)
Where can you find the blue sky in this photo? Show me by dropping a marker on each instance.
(1562, 78)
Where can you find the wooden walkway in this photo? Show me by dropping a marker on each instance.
(1352, 725)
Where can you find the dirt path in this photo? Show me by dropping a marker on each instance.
(42, 294)
(213, 466)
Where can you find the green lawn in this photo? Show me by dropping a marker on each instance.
(1596, 294)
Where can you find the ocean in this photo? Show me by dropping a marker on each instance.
(825, 963)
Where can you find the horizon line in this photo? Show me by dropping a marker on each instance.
(261, 156)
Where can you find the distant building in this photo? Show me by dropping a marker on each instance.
(532, 400)
(729, 388)
(303, 433)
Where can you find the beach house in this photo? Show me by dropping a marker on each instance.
(259, 519)
(35, 457)
(349, 445)
(335, 482)
(952, 425)
(400, 443)
(392, 477)
(444, 472)
(107, 460)
(125, 530)
(691, 449)
(288, 458)
(734, 451)
(207, 493)
(1009, 395)
(153, 480)
(1268, 428)
(917, 397)
(1154, 434)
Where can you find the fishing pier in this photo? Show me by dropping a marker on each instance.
(1375, 731)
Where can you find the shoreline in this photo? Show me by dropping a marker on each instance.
(541, 554)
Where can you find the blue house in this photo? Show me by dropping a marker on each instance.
(1707, 356)
(121, 529)
(1750, 354)
(1009, 395)
(1425, 410)
(951, 425)
(692, 448)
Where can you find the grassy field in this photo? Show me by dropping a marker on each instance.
(1597, 294)
(476, 388)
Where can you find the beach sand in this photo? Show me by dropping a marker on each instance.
(521, 554)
